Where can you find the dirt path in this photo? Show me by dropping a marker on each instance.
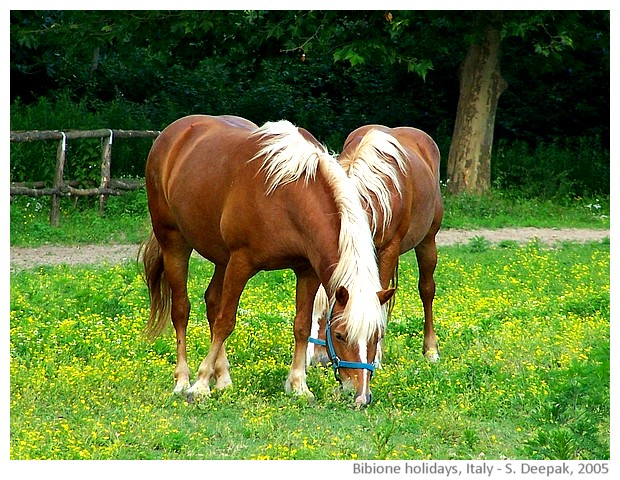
(22, 258)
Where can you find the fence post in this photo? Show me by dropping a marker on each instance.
(106, 158)
(58, 181)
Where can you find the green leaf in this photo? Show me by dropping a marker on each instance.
(347, 53)
(340, 54)
(565, 40)
(355, 59)
(275, 31)
(538, 48)
(421, 67)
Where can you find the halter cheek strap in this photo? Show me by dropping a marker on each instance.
(335, 361)
(317, 341)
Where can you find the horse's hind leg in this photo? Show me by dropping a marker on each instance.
(426, 253)
(176, 254)
(388, 273)
(213, 297)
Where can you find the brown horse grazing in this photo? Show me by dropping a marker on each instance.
(251, 199)
(396, 174)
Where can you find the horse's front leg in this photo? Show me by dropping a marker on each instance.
(307, 286)
(238, 271)
(387, 258)
(317, 354)
(213, 297)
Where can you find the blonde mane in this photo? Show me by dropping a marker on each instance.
(370, 169)
(289, 157)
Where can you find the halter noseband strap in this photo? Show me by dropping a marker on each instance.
(331, 352)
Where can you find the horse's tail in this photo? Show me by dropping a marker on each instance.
(160, 292)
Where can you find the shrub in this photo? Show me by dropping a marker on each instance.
(36, 161)
(563, 168)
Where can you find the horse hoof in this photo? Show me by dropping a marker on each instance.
(299, 391)
(180, 388)
(223, 384)
(306, 395)
(193, 397)
(432, 355)
(197, 393)
(304, 398)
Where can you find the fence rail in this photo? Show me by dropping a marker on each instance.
(62, 188)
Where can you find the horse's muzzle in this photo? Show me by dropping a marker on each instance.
(362, 400)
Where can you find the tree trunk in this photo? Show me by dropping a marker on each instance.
(481, 84)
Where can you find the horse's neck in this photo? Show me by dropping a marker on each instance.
(323, 246)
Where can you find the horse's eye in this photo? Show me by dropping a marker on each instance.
(339, 337)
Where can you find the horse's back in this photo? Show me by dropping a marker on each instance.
(419, 211)
(239, 122)
(181, 132)
(420, 142)
(198, 139)
(411, 138)
(189, 173)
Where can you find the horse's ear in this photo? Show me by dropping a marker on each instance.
(385, 295)
(342, 295)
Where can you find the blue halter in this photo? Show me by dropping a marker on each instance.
(335, 361)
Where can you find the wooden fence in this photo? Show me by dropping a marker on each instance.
(62, 188)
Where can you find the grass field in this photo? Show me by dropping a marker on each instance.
(524, 374)
(126, 219)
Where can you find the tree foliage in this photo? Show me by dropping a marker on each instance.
(329, 71)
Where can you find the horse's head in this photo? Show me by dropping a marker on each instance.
(352, 358)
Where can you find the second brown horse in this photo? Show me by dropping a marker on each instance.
(396, 174)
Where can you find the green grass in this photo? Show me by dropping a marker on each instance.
(499, 209)
(524, 374)
(126, 219)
